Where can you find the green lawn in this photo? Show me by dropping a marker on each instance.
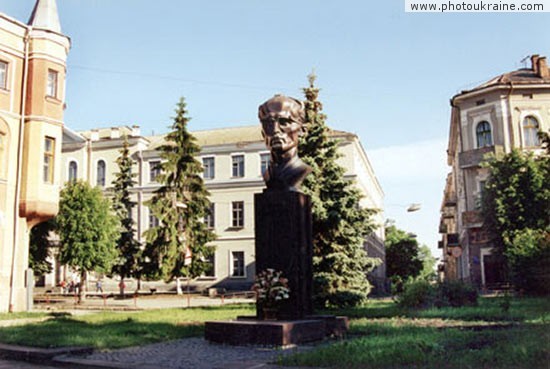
(119, 329)
(485, 336)
(381, 336)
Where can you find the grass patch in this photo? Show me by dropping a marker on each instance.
(22, 315)
(120, 329)
(485, 336)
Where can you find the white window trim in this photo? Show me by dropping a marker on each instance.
(231, 215)
(231, 276)
(68, 167)
(151, 168)
(244, 164)
(212, 157)
(10, 80)
(477, 122)
(260, 159)
(96, 170)
(56, 87)
(524, 114)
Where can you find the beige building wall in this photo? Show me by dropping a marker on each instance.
(27, 117)
(503, 103)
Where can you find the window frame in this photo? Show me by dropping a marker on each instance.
(237, 166)
(530, 132)
(4, 75)
(48, 160)
(232, 268)
(154, 170)
(209, 171)
(52, 84)
(264, 155)
(484, 134)
(237, 214)
(70, 170)
(154, 221)
(101, 180)
(210, 216)
(212, 261)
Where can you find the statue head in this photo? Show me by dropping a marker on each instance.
(282, 121)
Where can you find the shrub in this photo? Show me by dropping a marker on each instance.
(456, 293)
(422, 294)
(417, 294)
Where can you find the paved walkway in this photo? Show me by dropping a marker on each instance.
(7, 364)
(196, 353)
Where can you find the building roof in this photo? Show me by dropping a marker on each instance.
(44, 16)
(210, 137)
(538, 74)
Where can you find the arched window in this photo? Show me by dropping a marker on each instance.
(3, 149)
(483, 134)
(530, 130)
(101, 173)
(73, 171)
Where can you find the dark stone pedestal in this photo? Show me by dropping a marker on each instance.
(284, 242)
(249, 331)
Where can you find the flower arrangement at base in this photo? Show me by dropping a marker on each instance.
(271, 288)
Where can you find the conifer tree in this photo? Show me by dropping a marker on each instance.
(180, 204)
(340, 225)
(128, 245)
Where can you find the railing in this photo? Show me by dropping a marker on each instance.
(473, 158)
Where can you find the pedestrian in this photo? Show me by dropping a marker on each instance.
(99, 286)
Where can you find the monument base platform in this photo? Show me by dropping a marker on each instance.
(250, 331)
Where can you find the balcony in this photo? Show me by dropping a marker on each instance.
(473, 158)
(453, 240)
(472, 219)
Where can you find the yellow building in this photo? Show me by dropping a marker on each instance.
(233, 160)
(32, 93)
(498, 116)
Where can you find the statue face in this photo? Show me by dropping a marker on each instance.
(280, 132)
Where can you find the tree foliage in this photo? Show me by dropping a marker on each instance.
(127, 244)
(39, 248)
(403, 259)
(340, 224)
(428, 264)
(180, 204)
(87, 229)
(516, 209)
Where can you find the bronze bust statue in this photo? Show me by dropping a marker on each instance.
(282, 121)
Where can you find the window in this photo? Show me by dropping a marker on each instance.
(101, 168)
(73, 171)
(483, 134)
(153, 220)
(208, 166)
(237, 212)
(237, 264)
(51, 88)
(3, 75)
(238, 165)
(210, 217)
(3, 150)
(530, 130)
(264, 163)
(210, 270)
(154, 170)
(49, 152)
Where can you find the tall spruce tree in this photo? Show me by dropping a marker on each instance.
(180, 204)
(340, 224)
(128, 245)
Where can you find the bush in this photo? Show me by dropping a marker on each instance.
(528, 253)
(455, 293)
(422, 294)
(417, 294)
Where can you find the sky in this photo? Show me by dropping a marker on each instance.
(385, 75)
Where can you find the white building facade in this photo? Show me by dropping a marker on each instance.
(233, 160)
